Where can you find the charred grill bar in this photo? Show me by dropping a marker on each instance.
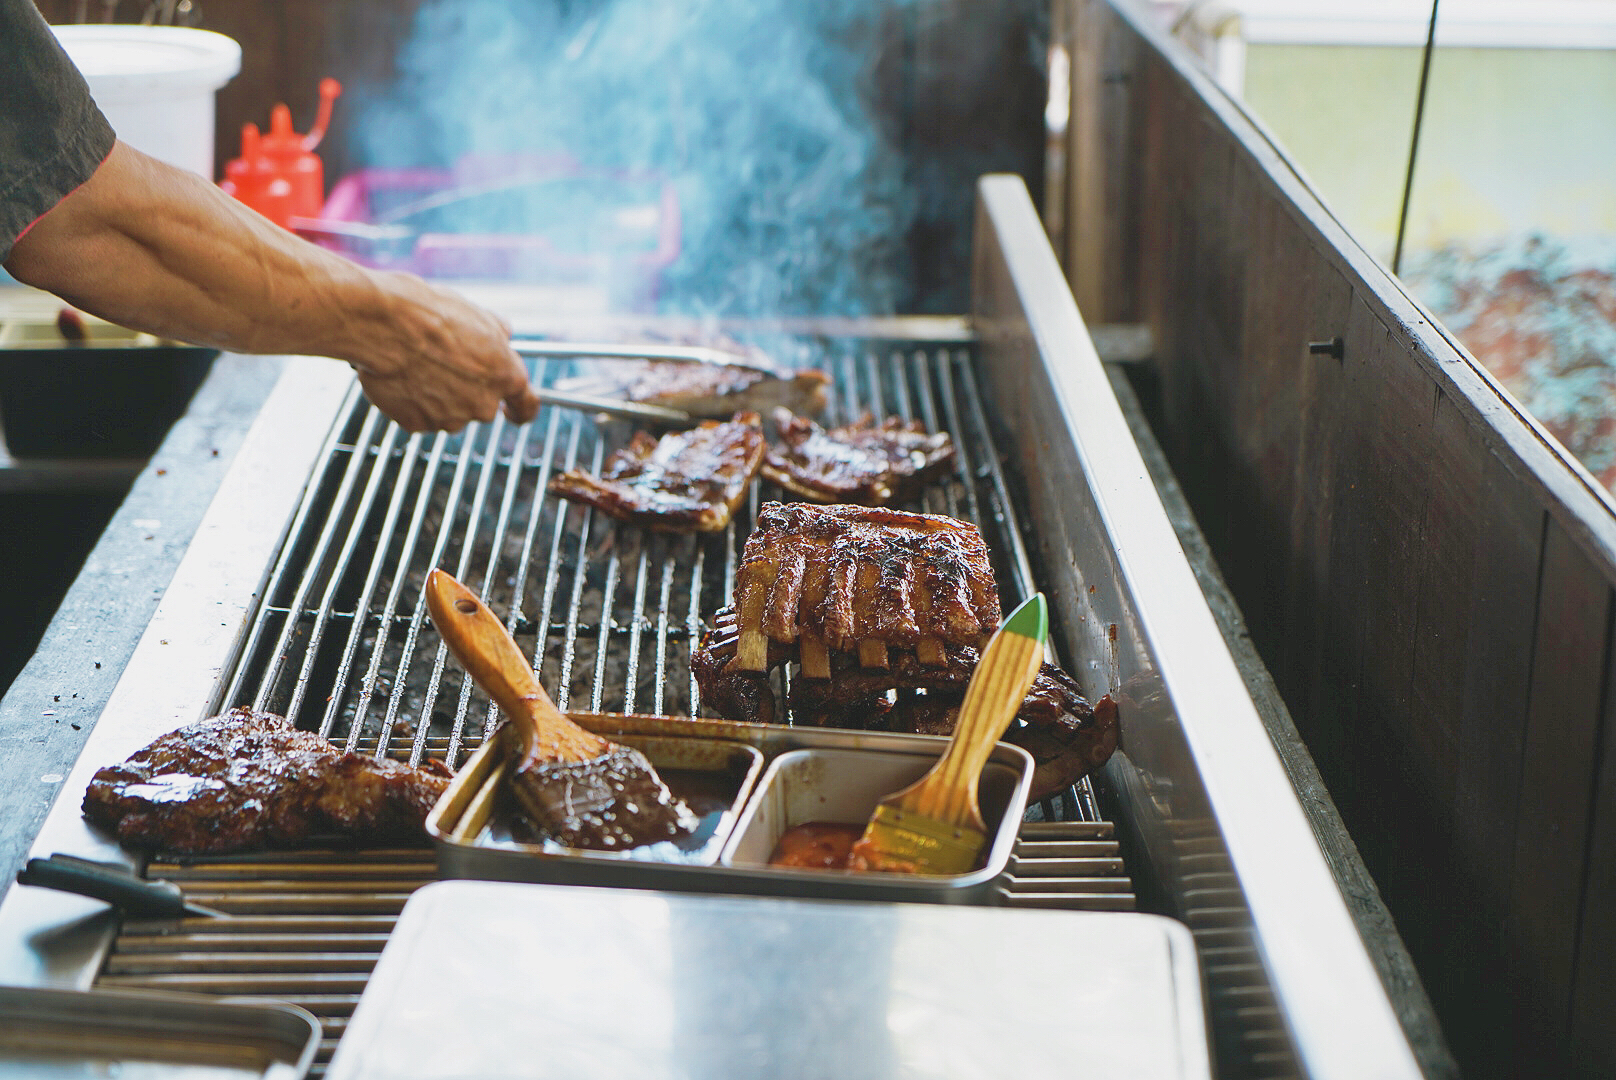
(303, 597)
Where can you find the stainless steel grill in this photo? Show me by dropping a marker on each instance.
(1214, 832)
(608, 613)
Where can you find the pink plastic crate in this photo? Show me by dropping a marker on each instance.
(633, 234)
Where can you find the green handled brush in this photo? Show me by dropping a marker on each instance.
(934, 826)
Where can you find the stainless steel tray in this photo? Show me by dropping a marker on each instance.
(820, 784)
(145, 1035)
(465, 851)
(468, 816)
(543, 982)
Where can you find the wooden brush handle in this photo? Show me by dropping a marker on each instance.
(491, 657)
(1003, 677)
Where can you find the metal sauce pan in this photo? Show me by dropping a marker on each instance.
(478, 838)
(822, 784)
(463, 850)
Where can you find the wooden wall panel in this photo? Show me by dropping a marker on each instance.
(1592, 1041)
(1100, 214)
(1426, 575)
(1552, 819)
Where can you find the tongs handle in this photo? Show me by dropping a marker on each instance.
(136, 897)
(628, 410)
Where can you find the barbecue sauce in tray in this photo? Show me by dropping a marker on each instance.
(710, 795)
(818, 845)
(831, 845)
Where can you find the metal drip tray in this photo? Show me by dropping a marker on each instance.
(658, 984)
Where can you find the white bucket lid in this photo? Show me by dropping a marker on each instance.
(118, 60)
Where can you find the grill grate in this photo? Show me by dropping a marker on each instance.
(608, 613)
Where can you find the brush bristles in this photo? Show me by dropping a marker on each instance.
(916, 844)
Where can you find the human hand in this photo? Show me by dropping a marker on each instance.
(437, 361)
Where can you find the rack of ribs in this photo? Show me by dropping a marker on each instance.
(885, 612)
(864, 580)
(862, 462)
(246, 780)
(1067, 737)
(686, 481)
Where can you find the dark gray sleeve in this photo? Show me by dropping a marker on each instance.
(52, 137)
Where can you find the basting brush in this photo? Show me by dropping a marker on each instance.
(582, 790)
(934, 826)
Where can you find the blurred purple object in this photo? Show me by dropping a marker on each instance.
(534, 220)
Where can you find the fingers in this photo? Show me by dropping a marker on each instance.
(523, 405)
(447, 362)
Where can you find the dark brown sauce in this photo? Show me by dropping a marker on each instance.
(610, 803)
(818, 845)
(709, 794)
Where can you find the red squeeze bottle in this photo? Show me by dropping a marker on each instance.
(278, 174)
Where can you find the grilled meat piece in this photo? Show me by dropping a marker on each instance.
(713, 391)
(850, 578)
(1063, 755)
(869, 601)
(736, 695)
(1053, 698)
(863, 462)
(247, 780)
(686, 481)
(1066, 736)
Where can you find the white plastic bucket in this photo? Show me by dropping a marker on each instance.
(156, 85)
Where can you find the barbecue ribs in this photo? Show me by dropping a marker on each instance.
(863, 580)
(877, 605)
(247, 780)
(863, 462)
(686, 481)
(1067, 737)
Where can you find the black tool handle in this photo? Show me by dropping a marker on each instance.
(136, 897)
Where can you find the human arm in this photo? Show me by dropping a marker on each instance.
(154, 248)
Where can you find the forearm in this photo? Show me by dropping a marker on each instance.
(150, 247)
(158, 249)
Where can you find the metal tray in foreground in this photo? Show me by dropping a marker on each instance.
(138, 1034)
(544, 982)
(467, 849)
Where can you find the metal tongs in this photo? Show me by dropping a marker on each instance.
(683, 354)
(632, 410)
(629, 410)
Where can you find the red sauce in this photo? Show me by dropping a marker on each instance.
(818, 845)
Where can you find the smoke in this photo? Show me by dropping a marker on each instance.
(758, 113)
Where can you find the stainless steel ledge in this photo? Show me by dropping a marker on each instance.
(49, 938)
(1205, 786)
